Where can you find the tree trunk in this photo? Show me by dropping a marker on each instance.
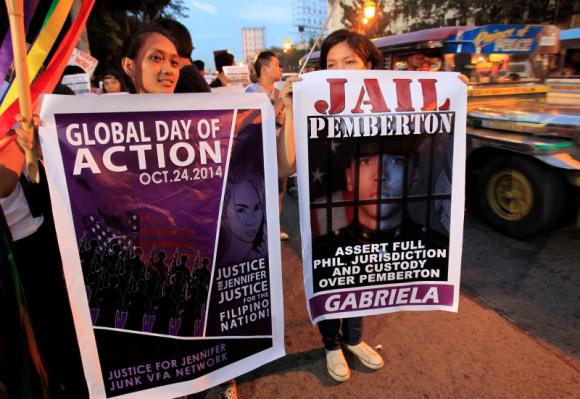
(526, 11)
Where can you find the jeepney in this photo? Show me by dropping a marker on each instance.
(564, 81)
(523, 153)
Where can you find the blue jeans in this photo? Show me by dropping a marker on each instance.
(348, 331)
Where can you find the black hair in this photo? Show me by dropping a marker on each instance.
(117, 75)
(73, 70)
(134, 41)
(199, 64)
(360, 44)
(263, 59)
(112, 72)
(183, 43)
(222, 58)
(62, 89)
(406, 146)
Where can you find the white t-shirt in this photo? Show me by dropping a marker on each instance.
(18, 215)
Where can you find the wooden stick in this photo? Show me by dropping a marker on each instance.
(16, 17)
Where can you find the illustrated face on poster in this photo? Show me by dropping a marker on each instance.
(243, 227)
(373, 205)
(245, 212)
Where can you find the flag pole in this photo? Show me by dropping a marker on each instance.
(16, 17)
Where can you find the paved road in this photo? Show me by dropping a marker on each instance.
(535, 282)
(475, 353)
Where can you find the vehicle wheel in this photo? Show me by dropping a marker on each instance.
(519, 196)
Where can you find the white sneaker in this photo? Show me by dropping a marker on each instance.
(367, 355)
(336, 365)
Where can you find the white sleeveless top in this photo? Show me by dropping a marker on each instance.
(18, 216)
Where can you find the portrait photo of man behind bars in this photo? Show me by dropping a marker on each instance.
(376, 190)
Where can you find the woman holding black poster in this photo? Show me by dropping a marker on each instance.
(344, 50)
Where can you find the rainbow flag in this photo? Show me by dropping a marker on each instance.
(43, 44)
(6, 46)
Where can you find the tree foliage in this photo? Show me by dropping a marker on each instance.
(353, 15)
(111, 21)
(289, 60)
(434, 13)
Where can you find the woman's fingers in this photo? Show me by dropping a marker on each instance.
(463, 78)
(25, 137)
(24, 140)
(292, 79)
(286, 92)
(36, 121)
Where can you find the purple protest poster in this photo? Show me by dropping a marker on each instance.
(381, 168)
(166, 218)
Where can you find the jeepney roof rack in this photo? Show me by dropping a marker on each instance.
(423, 39)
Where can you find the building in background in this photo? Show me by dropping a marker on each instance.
(335, 22)
(308, 16)
(253, 42)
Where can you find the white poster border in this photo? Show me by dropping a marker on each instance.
(68, 244)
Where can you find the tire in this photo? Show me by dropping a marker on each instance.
(519, 196)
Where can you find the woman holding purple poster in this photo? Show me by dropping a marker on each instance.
(151, 63)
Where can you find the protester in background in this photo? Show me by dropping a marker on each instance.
(200, 65)
(72, 70)
(222, 58)
(113, 82)
(190, 78)
(416, 62)
(344, 50)
(268, 71)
